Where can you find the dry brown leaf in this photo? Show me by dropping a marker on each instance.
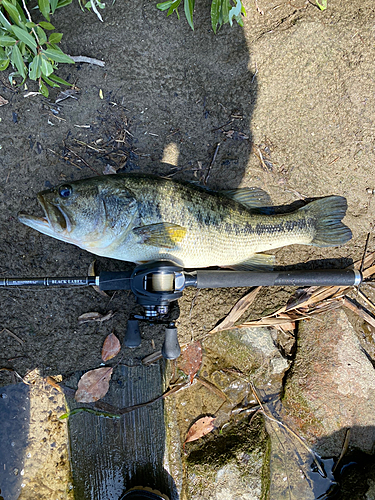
(111, 347)
(237, 311)
(190, 360)
(200, 428)
(3, 101)
(95, 316)
(93, 385)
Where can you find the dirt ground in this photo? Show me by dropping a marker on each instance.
(289, 99)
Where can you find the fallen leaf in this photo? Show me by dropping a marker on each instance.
(95, 316)
(111, 347)
(237, 311)
(3, 101)
(199, 429)
(190, 359)
(93, 385)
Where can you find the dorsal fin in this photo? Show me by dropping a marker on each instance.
(249, 197)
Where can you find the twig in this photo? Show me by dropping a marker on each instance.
(211, 164)
(12, 335)
(350, 304)
(211, 387)
(82, 160)
(344, 449)
(366, 299)
(89, 60)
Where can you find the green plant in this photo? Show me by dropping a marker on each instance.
(222, 11)
(26, 46)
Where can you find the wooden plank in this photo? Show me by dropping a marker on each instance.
(109, 456)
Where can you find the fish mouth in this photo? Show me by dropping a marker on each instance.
(55, 222)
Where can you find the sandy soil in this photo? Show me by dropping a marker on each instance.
(294, 87)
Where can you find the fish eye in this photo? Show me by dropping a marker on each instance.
(65, 191)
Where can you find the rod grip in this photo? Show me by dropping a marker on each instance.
(321, 277)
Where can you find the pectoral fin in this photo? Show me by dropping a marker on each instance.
(258, 262)
(164, 234)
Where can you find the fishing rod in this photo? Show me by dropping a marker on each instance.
(156, 284)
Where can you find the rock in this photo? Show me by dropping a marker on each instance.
(331, 387)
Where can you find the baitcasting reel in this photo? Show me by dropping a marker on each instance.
(157, 284)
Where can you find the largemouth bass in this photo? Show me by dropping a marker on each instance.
(140, 218)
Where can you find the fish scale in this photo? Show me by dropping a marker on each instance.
(140, 218)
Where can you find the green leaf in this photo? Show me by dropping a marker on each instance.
(35, 68)
(4, 64)
(7, 41)
(12, 11)
(215, 13)
(322, 5)
(30, 24)
(59, 80)
(44, 8)
(41, 35)
(47, 67)
(43, 89)
(173, 8)
(189, 8)
(46, 26)
(165, 5)
(17, 60)
(55, 37)
(53, 5)
(58, 56)
(50, 82)
(225, 11)
(25, 37)
(63, 3)
(4, 21)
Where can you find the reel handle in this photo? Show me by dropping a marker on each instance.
(132, 337)
(171, 348)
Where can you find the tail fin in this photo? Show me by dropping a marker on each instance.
(328, 212)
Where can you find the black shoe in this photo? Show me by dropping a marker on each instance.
(140, 493)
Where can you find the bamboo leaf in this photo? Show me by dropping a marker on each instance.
(49, 82)
(55, 37)
(215, 13)
(13, 12)
(44, 8)
(4, 21)
(47, 68)
(189, 8)
(17, 60)
(53, 4)
(35, 68)
(7, 41)
(46, 26)
(57, 79)
(25, 37)
(57, 56)
(4, 64)
(43, 89)
(41, 35)
(237, 311)
(164, 6)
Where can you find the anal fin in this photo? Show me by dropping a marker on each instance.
(258, 262)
